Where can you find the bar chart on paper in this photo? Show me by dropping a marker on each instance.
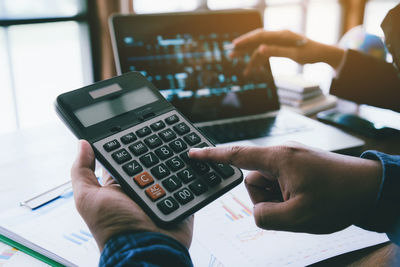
(11, 257)
(57, 228)
(227, 229)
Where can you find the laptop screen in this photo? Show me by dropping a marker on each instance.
(186, 56)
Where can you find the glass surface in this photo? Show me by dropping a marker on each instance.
(159, 6)
(19, 9)
(323, 21)
(375, 11)
(105, 110)
(47, 61)
(322, 25)
(283, 17)
(7, 117)
(228, 4)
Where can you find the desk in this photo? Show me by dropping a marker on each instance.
(62, 144)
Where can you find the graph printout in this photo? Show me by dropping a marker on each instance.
(227, 229)
(56, 227)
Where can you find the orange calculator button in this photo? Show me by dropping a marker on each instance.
(155, 192)
(143, 179)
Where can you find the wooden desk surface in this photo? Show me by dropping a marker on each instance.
(387, 254)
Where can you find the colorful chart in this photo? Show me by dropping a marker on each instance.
(78, 238)
(236, 209)
(6, 254)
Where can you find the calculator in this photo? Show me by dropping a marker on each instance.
(142, 140)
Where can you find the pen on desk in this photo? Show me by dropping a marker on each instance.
(46, 197)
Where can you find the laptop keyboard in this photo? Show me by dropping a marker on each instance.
(250, 129)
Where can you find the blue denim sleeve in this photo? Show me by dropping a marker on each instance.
(385, 216)
(144, 249)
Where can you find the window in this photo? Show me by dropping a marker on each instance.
(41, 56)
(157, 6)
(7, 119)
(227, 4)
(375, 11)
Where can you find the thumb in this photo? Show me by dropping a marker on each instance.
(82, 172)
(275, 215)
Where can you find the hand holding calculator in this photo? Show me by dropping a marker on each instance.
(142, 141)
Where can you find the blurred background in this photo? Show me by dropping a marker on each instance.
(51, 46)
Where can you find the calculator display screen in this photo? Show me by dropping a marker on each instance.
(113, 107)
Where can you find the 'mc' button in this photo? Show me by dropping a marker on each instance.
(143, 179)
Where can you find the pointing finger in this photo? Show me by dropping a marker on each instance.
(263, 159)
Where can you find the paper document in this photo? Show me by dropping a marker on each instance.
(11, 257)
(224, 235)
(55, 230)
(227, 229)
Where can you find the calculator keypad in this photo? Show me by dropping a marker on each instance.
(154, 159)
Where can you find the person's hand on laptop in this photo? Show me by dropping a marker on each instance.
(295, 188)
(265, 44)
(107, 210)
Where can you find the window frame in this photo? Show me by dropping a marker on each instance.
(84, 17)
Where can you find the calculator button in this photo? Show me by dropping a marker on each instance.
(160, 171)
(184, 196)
(143, 131)
(212, 178)
(187, 175)
(164, 152)
(153, 141)
(181, 128)
(178, 145)
(200, 167)
(198, 187)
(185, 157)
(128, 138)
(202, 145)
(167, 135)
(172, 183)
(175, 164)
(149, 159)
(132, 168)
(157, 125)
(192, 139)
(168, 205)
(224, 169)
(121, 156)
(155, 191)
(138, 148)
(172, 119)
(143, 179)
(110, 146)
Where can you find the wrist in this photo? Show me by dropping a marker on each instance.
(333, 56)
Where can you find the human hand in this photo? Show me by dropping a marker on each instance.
(107, 210)
(265, 44)
(295, 188)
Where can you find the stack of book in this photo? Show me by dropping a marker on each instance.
(302, 96)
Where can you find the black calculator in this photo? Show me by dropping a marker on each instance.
(142, 141)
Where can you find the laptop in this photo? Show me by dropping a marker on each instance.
(186, 56)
